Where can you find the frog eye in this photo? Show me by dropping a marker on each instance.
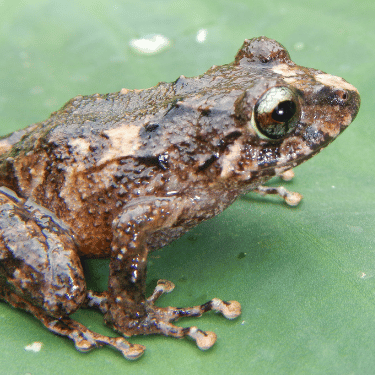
(276, 113)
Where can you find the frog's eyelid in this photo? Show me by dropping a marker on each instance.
(273, 97)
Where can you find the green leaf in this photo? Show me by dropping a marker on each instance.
(305, 275)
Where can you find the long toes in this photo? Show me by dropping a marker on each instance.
(291, 198)
(129, 351)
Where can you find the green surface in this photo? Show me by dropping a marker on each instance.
(304, 276)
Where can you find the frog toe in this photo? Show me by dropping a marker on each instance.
(230, 309)
(204, 339)
(162, 287)
(287, 175)
(133, 352)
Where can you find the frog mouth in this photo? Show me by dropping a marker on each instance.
(302, 158)
(311, 139)
(296, 151)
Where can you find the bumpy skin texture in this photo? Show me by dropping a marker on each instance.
(122, 174)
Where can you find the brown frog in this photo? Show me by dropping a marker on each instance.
(123, 174)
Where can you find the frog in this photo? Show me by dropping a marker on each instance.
(120, 175)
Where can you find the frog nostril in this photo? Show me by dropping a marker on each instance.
(342, 95)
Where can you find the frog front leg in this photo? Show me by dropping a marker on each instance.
(40, 272)
(291, 198)
(129, 312)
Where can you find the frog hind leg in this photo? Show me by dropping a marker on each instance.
(126, 308)
(83, 338)
(40, 272)
(291, 198)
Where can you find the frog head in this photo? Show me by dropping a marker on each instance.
(286, 115)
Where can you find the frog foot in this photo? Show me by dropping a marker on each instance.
(204, 339)
(83, 338)
(158, 320)
(291, 198)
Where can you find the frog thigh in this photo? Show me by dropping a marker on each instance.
(38, 260)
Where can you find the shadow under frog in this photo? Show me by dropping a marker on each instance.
(123, 174)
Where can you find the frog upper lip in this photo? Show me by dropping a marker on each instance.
(299, 160)
(292, 163)
(355, 104)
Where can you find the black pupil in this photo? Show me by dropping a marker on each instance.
(284, 111)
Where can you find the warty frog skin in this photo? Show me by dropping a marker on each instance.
(123, 174)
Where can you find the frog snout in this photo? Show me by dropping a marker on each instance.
(339, 92)
(353, 101)
(346, 99)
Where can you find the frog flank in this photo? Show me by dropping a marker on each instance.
(123, 174)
